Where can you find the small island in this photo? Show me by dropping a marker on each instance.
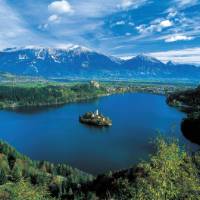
(95, 119)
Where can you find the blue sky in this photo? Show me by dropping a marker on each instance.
(166, 29)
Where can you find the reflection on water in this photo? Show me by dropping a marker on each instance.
(55, 134)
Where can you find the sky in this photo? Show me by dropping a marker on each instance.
(166, 29)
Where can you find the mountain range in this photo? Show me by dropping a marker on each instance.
(78, 61)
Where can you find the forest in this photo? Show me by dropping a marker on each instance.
(45, 94)
(170, 173)
(189, 102)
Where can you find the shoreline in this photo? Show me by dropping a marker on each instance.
(106, 90)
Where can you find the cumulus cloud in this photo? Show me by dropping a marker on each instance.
(166, 23)
(54, 19)
(175, 38)
(156, 25)
(89, 23)
(60, 7)
(57, 9)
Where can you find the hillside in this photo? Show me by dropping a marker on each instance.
(33, 178)
(170, 174)
(24, 92)
(14, 95)
(189, 102)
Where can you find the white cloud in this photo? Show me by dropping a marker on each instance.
(125, 4)
(175, 38)
(57, 9)
(172, 12)
(176, 25)
(156, 25)
(141, 28)
(126, 57)
(189, 55)
(13, 29)
(128, 34)
(120, 23)
(166, 23)
(131, 24)
(43, 27)
(99, 8)
(60, 7)
(185, 3)
(54, 19)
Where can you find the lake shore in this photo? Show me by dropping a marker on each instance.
(21, 95)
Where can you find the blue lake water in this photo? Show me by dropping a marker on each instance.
(55, 134)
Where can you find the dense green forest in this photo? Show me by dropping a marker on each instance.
(189, 102)
(36, 94)
(170, 174)
(43, 93)
(34, 177)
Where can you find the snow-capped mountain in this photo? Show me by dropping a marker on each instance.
(52, 61)
(75, 60)
(145, 65)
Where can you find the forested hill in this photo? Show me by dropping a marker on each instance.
(46, 94)
(22, 178)
(170, 174)
(189, 102)
(43, 93)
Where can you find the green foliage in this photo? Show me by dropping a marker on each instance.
(57, 179)
(23, 191)
(16, 173)
(170, 174)
(3, 178)
(189, 102)
(12, 96)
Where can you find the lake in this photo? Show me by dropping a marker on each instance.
(55, 134)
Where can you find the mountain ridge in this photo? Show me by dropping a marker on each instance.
(75, 60)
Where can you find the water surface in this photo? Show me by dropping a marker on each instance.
(55, 134)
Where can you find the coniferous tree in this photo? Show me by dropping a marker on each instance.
(3, 177)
